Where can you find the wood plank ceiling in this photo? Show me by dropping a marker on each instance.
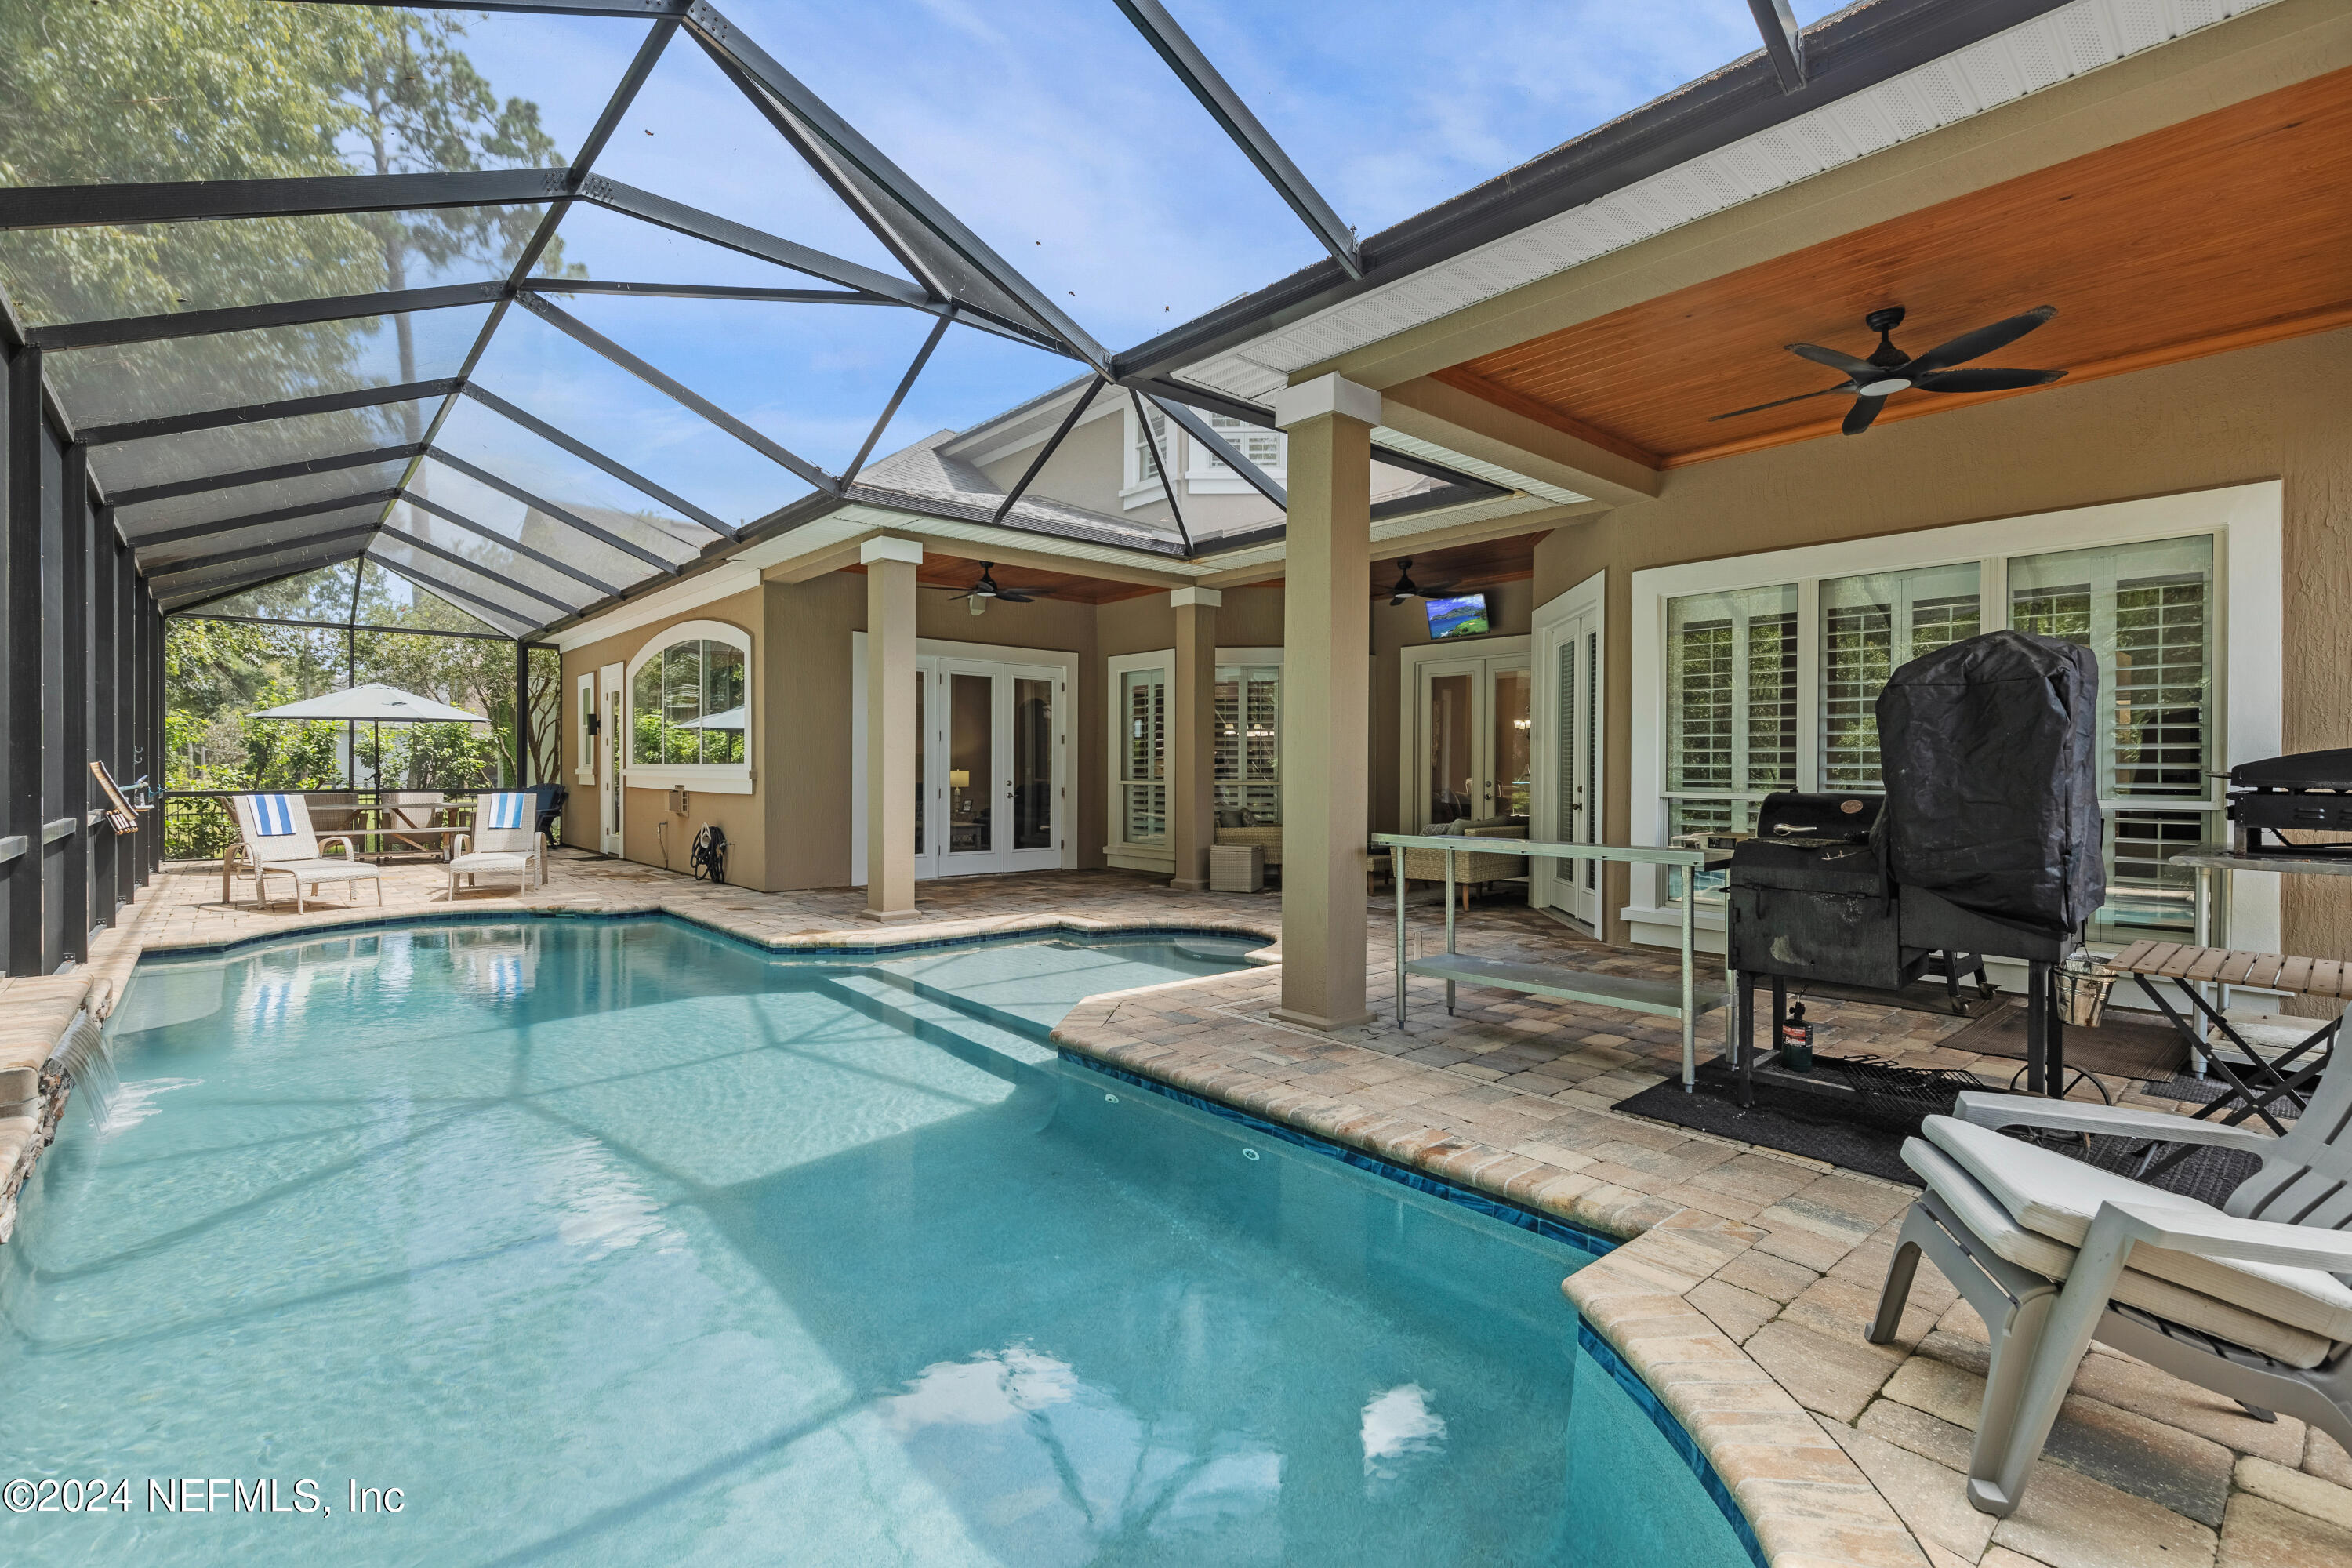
(2231, 229)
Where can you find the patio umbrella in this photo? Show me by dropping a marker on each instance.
(376, 705)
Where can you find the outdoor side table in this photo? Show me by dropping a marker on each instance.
(2287, 1075)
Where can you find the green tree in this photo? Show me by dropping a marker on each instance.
(219, 89)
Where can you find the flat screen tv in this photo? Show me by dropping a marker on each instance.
(1457, 616)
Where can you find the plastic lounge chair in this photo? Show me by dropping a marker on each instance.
(276, 839)
(2248, 1299)
(505, 839)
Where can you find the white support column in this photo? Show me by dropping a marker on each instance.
(890, 781)
(1192, 718)
(1327, 632)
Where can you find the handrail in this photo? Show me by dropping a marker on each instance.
(1631, 854)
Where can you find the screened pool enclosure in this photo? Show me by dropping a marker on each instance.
(316, 334)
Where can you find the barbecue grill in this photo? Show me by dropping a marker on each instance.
(1986, 844)
(2310, 791)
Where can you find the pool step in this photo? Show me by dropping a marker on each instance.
(934, 1013)
(979, 1012)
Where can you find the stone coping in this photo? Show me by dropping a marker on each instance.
(1743, 1278)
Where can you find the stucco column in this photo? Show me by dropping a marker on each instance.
(1192, 805)
(890, 726)
(1326, 627)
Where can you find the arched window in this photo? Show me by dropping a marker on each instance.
(690, 708)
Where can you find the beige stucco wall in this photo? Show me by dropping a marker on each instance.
(2283, 412)
(1398, 626)
(743, 817)
(809, 808)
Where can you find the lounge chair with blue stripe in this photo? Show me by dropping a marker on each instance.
(505, 840)
(276, 839)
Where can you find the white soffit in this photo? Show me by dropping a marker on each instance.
(2068, 42)
(1492, 473)
(850, 522)
(1387, 530)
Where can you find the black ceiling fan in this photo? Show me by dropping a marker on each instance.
(986, 588)
(1407, 589)
(1889, 370)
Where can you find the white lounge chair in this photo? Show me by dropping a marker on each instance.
(276, 839)
(2249, 1299)
(505, 839)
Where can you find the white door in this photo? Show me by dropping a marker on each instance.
(1570, 803)
(996, 737)
(1475, 743)
(613, 722)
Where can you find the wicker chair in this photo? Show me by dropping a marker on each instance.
(1470, 868)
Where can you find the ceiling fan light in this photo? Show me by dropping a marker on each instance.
(1886, 386)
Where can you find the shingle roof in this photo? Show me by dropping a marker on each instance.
(924, 475)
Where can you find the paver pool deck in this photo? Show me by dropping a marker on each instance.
(1746, 1276)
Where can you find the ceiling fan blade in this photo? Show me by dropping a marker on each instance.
(1861, 369)
(1858, 417)
(1396, 599)
(1016, 597)
(1985, 380)
(1437, 590)
(1759, 407)
(1983, 340)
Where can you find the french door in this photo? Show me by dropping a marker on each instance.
(1477, 740)
(1567, 656)
(991, 756)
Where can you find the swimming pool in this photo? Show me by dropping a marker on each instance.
(616, 1242)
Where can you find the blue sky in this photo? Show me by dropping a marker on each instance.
(1053, 131)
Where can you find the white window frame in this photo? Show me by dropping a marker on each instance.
(717, 778)
(1206, 474)
(1125, 853)
(583, 753)
(1137, 487)
(2246, 523)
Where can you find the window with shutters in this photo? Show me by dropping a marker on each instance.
(1266, 449)
(1248, 752)
(2146, 610)
(1871, 626)
(1142, 436)
(1140, 756)
(1731, 708)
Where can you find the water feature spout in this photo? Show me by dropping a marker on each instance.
(84, 1060)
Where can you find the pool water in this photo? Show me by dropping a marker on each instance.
(613, 1242)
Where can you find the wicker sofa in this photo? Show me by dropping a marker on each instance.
(1470, 867)
(1267, 835)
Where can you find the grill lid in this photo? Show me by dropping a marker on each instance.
(2304, 770)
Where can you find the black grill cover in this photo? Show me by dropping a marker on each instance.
(1989, 751)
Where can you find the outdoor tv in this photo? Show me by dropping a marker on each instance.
(1457, 616)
